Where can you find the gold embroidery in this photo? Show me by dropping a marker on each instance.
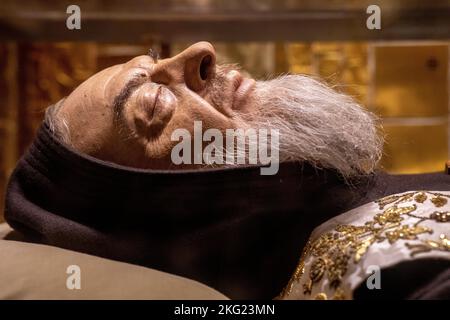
(387, 200)
(362, 247)
(443, 244)
(394, 199)
(332, 252)
(406, 232)
(393, 214)
(420, 197)
(317, 270)
(307, 287)
(298, 273)
(439, 201)
(321, 296)
(440, 216)
(339, 295)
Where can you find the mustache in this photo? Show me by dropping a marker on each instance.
(218, 85)
(317, 124)
(223, 69)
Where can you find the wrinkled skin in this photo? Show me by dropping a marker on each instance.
(172, 93)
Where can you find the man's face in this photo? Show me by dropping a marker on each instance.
(127, 113)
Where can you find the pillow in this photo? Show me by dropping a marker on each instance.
(5, 230)
(34, 271)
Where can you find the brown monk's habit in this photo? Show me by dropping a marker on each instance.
(232, 229)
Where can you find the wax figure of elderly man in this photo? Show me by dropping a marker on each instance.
(100, 178)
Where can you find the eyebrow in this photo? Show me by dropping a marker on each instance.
(120, 100)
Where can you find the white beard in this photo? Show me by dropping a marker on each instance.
(316, 124)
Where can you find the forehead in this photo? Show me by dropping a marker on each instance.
(140, 62)
(111, 80)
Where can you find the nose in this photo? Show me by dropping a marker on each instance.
(195, 66)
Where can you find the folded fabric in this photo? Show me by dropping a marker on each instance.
(34, 271)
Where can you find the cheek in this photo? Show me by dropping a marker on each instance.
(189, 109)
(185, 117)
(194, 108)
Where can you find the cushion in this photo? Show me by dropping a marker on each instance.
(35, 271)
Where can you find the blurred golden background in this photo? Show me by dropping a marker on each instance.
(405, 81)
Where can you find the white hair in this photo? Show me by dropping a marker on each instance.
(317, 124)
(57, 123)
